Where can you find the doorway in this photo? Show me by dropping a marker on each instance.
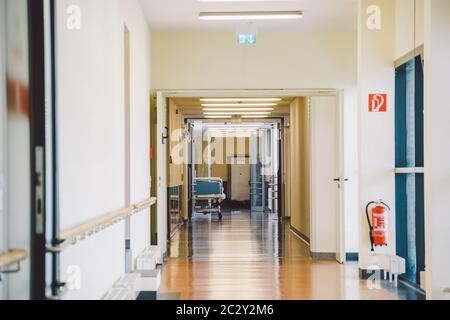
(327, 179)
(267, 194)
(239, 157)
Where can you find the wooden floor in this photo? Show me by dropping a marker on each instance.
(249, 257)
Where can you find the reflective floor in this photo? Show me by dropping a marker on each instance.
(247, 256)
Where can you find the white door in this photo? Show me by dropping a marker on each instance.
(342, 176)
(161, 169)
(327, 179)
(240, 180)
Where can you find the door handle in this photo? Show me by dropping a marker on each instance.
(340, 181)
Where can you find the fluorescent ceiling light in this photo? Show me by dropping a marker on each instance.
(216, 125)
(251, 15)
(254, 117)
(241, 0)
(234, 130)
(236, 113)
(224, 136)
(224, 105)
(232, 133)
(237, 109)
(218, 117)
(241, 100)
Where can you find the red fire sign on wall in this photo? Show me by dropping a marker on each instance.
(378, 102)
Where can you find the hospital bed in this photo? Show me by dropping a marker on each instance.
(207, 195)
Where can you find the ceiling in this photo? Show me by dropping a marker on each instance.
(191, 107)
(319, 15)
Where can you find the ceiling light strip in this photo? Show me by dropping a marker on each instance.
(216, 125)
(255, 117)
(236, 109)
(251, 15)
(218, 117)
(225, 105)
(241, 100)
(236, 113)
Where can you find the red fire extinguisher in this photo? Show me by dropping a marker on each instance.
(377, 217)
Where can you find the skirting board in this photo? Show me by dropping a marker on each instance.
(301, 235)
(147, 296)
(352, 256)
(323, 255)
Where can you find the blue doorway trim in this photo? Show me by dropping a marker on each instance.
(409, 153)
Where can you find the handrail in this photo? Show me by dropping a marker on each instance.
(73, 235)
(12, 257)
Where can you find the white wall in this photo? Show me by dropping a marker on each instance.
(280, 60)
(376, 131)
(409, 26)
(91, 127)
(437, 151)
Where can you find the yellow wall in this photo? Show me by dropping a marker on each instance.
(300, 166)
(287, 171)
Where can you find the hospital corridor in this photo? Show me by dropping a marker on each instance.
(224, 157)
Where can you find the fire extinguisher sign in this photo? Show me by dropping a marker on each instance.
(377, 102)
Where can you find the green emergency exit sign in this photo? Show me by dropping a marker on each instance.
(246, 38)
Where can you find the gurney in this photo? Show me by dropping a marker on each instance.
(207, 195)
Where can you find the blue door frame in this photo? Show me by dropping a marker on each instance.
(410, 222)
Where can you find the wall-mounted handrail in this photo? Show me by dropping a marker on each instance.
(14, 256)
(73, 235)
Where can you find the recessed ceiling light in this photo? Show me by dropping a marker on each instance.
(236, 113)
(237, 109)
(218, 117)
(241, 0)
(232, 135)
(246, 125)
(254, 117)
(241, 100)
(251, 15)
(231, 129)
(224, 105)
